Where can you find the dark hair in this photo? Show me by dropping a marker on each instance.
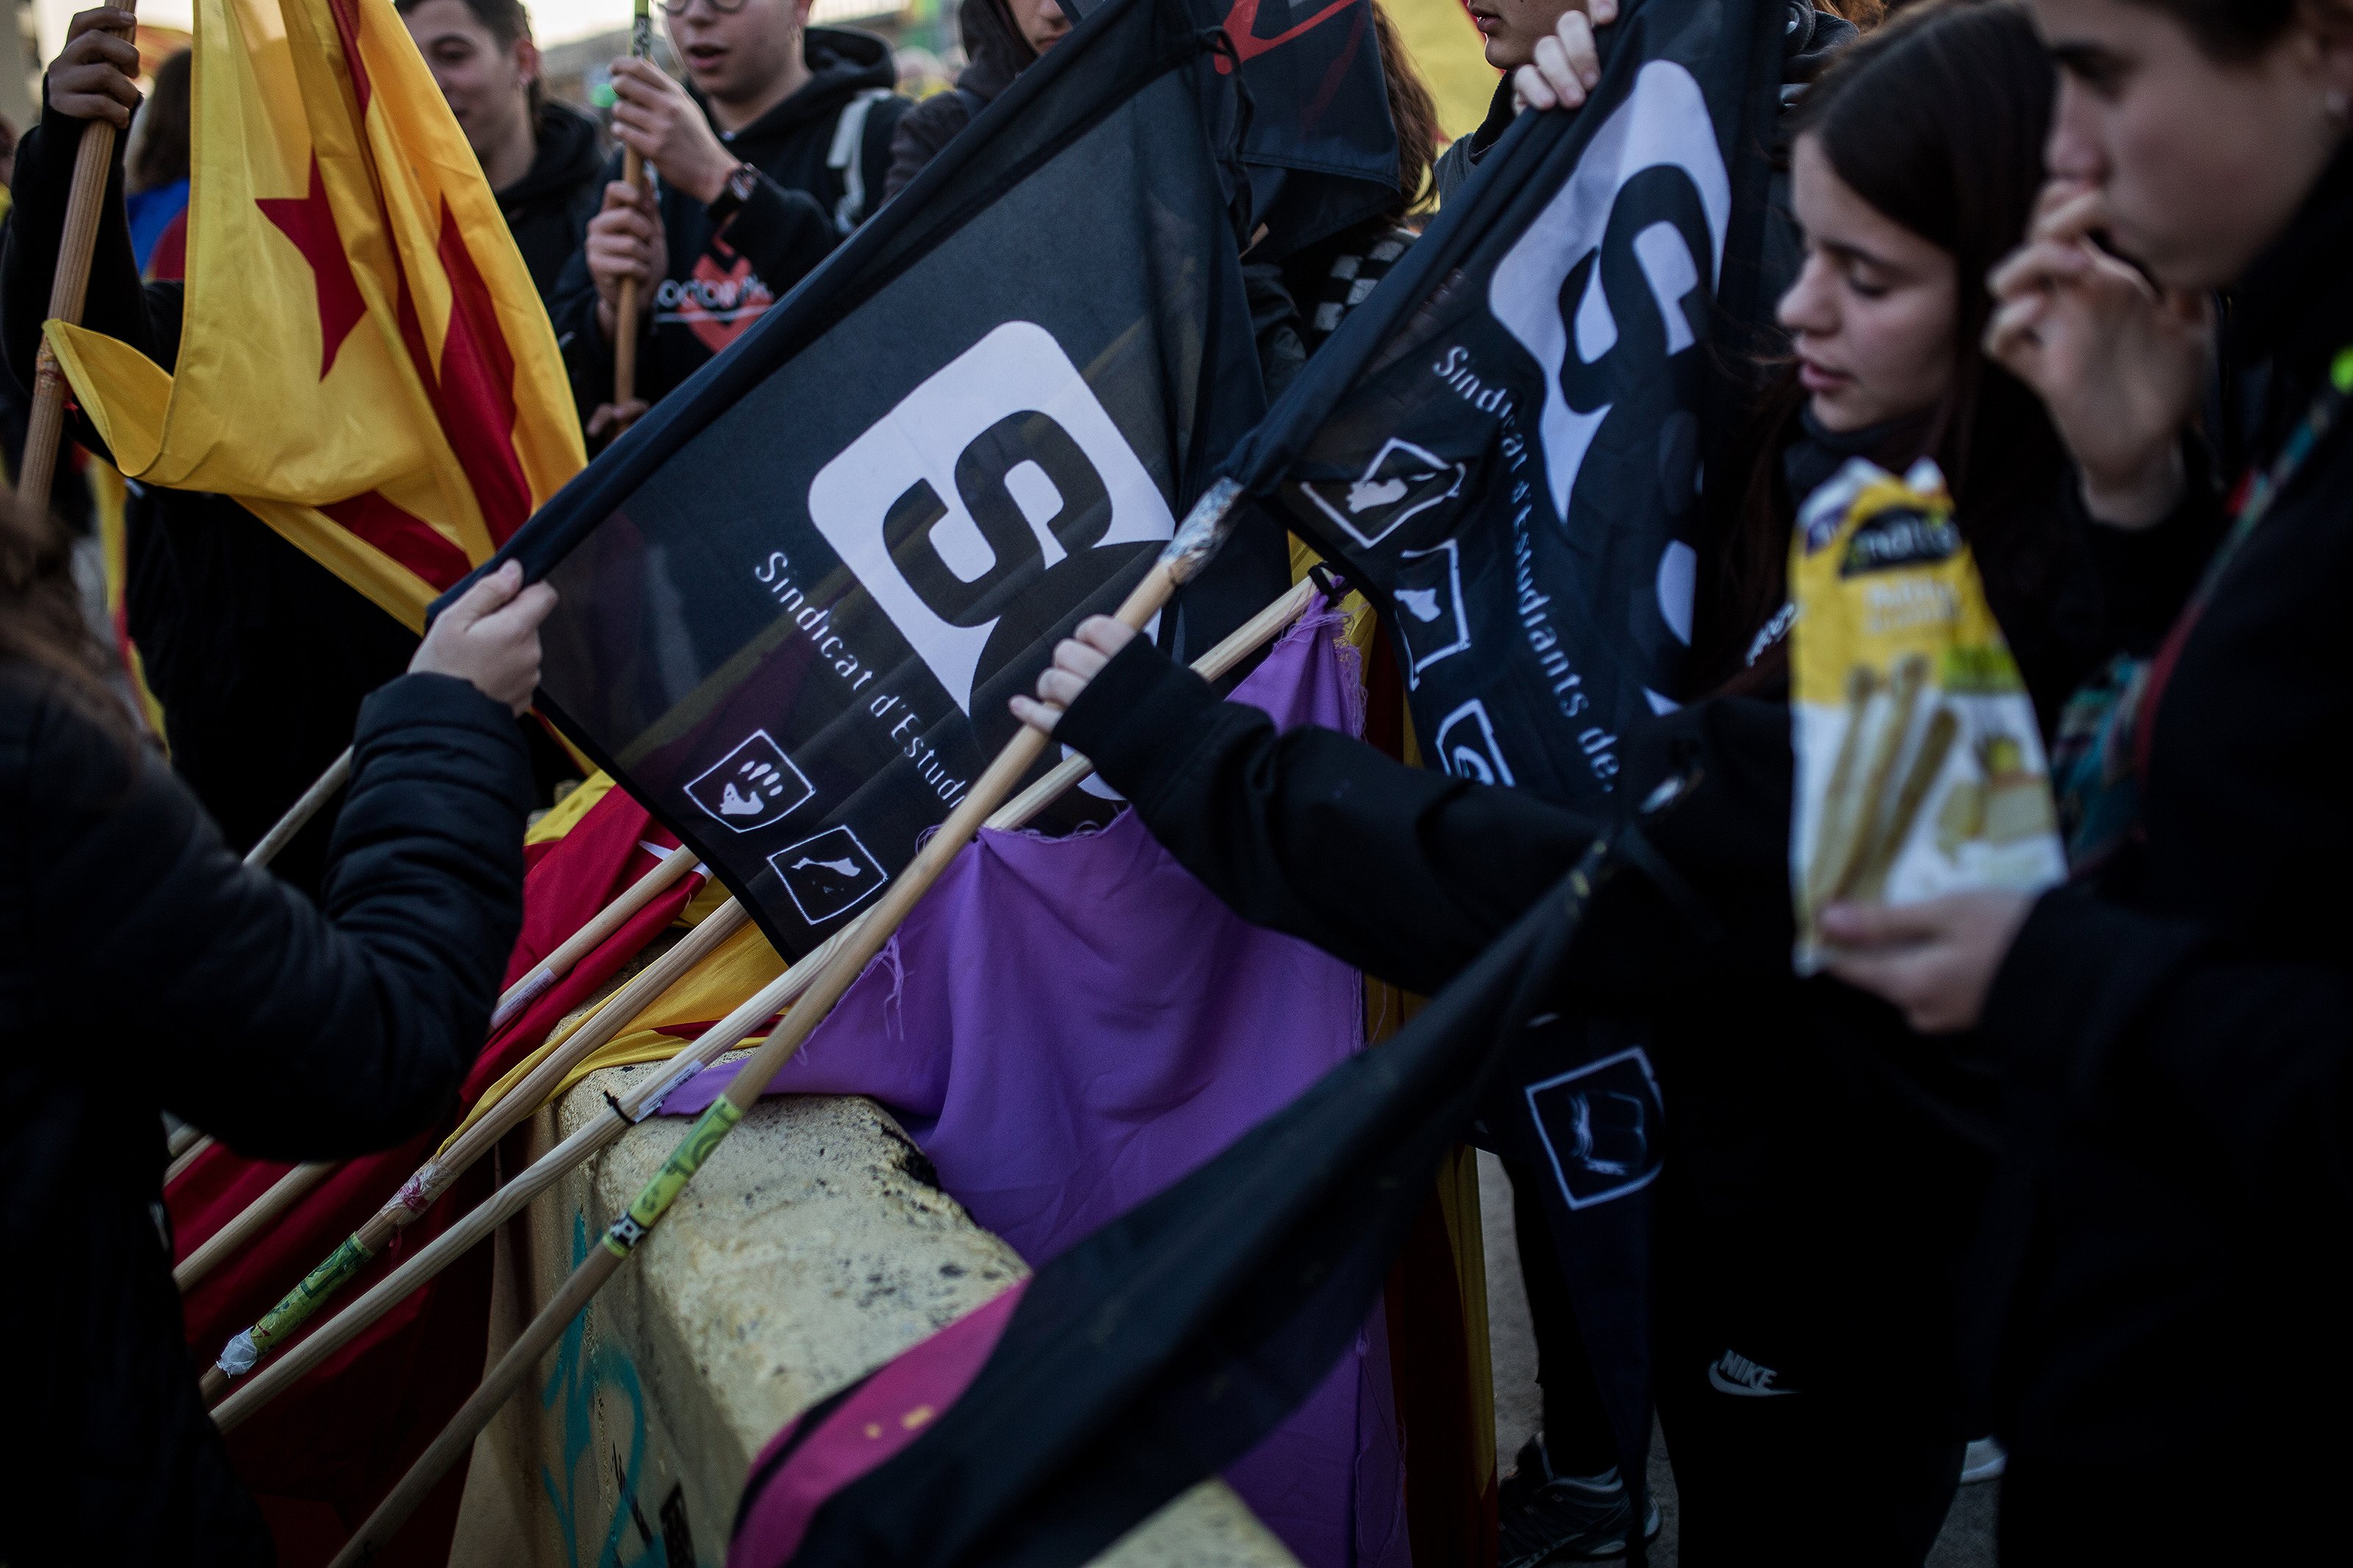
(1412, 112)
(42, 623)
(159, 153)
(1937, 120)
(507, 22)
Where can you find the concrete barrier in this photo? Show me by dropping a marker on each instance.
(812, 1248)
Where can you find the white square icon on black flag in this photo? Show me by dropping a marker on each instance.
(827, 874)
(750, 787)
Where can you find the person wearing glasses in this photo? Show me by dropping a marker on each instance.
(775, 148)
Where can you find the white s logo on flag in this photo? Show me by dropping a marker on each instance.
(998, 467)
(1663, 123)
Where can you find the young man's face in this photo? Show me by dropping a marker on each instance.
(1512, 26)
(733, 57)
(1041, 22)
(487, 85)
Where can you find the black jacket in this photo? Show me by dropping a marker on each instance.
(2170, 1278)
(260, 654)
(998, 53)
(717, 285)
(549, 208)
(141, 967)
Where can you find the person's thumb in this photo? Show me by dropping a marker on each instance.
(486, 596)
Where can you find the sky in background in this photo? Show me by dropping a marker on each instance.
(1437, 33)
(552, 21)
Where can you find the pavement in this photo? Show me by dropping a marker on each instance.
(1966, 1541)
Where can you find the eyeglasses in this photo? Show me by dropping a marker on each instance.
(725, 8)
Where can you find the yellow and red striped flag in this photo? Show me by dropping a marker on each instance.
(364, 362)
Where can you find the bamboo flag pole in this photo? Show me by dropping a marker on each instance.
(85, 205)
(430, 1180)
(1203, 531)
(633, 173)
(273, 1204)
(642, 1101)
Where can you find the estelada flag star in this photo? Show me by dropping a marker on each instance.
(364, 364)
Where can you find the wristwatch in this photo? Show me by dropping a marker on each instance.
(741, 181)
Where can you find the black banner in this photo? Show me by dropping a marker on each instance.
(1504, 443)
(796, 599)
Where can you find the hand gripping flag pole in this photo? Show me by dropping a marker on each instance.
(1204, 529)
(45, 429)
(633, 175)
(289, 1190)
(642, 1101)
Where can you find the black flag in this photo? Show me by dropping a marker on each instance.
(1503, 444)
(1161, 1348)
(1319, 147)
(1504, 447)
(796, 597)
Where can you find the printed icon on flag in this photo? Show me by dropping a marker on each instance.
(1467, 748)
(827, 874)
(1597, 1123)
(1400, 483)
(1428, 592)
(752, 786)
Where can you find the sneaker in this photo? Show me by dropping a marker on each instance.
(1984, 1460)
(1546, 1519)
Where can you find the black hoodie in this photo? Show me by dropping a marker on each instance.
(998, 53)
(549, 208)
(718, 284)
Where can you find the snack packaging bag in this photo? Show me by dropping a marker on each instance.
(1920, 768)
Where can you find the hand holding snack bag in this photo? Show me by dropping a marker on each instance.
(1919, 762)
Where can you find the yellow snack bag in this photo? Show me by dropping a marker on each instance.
(1919, 764)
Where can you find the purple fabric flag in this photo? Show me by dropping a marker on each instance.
(1068, 1026)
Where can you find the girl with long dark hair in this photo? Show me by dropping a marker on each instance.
(1825, 1165)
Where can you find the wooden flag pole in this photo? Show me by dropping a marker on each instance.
(274, 1203)
(590, 937)
(328, 785)
(633, 173)
(185, 1158)
(263, 1211)
(1195, 542)
(85, 205)
(642, 1101)
(430, 1180)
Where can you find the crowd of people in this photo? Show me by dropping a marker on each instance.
(2067, 1168)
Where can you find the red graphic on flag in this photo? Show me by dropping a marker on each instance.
(1242, 20)
(309, 222)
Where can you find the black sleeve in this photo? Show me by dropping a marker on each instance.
(784, 233)
(146, 317)
(2253, 1049)
(1407, 874)
(2147, 574)
(920, 134)
(288, 1033)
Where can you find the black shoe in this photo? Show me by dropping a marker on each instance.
(1546, 1519)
